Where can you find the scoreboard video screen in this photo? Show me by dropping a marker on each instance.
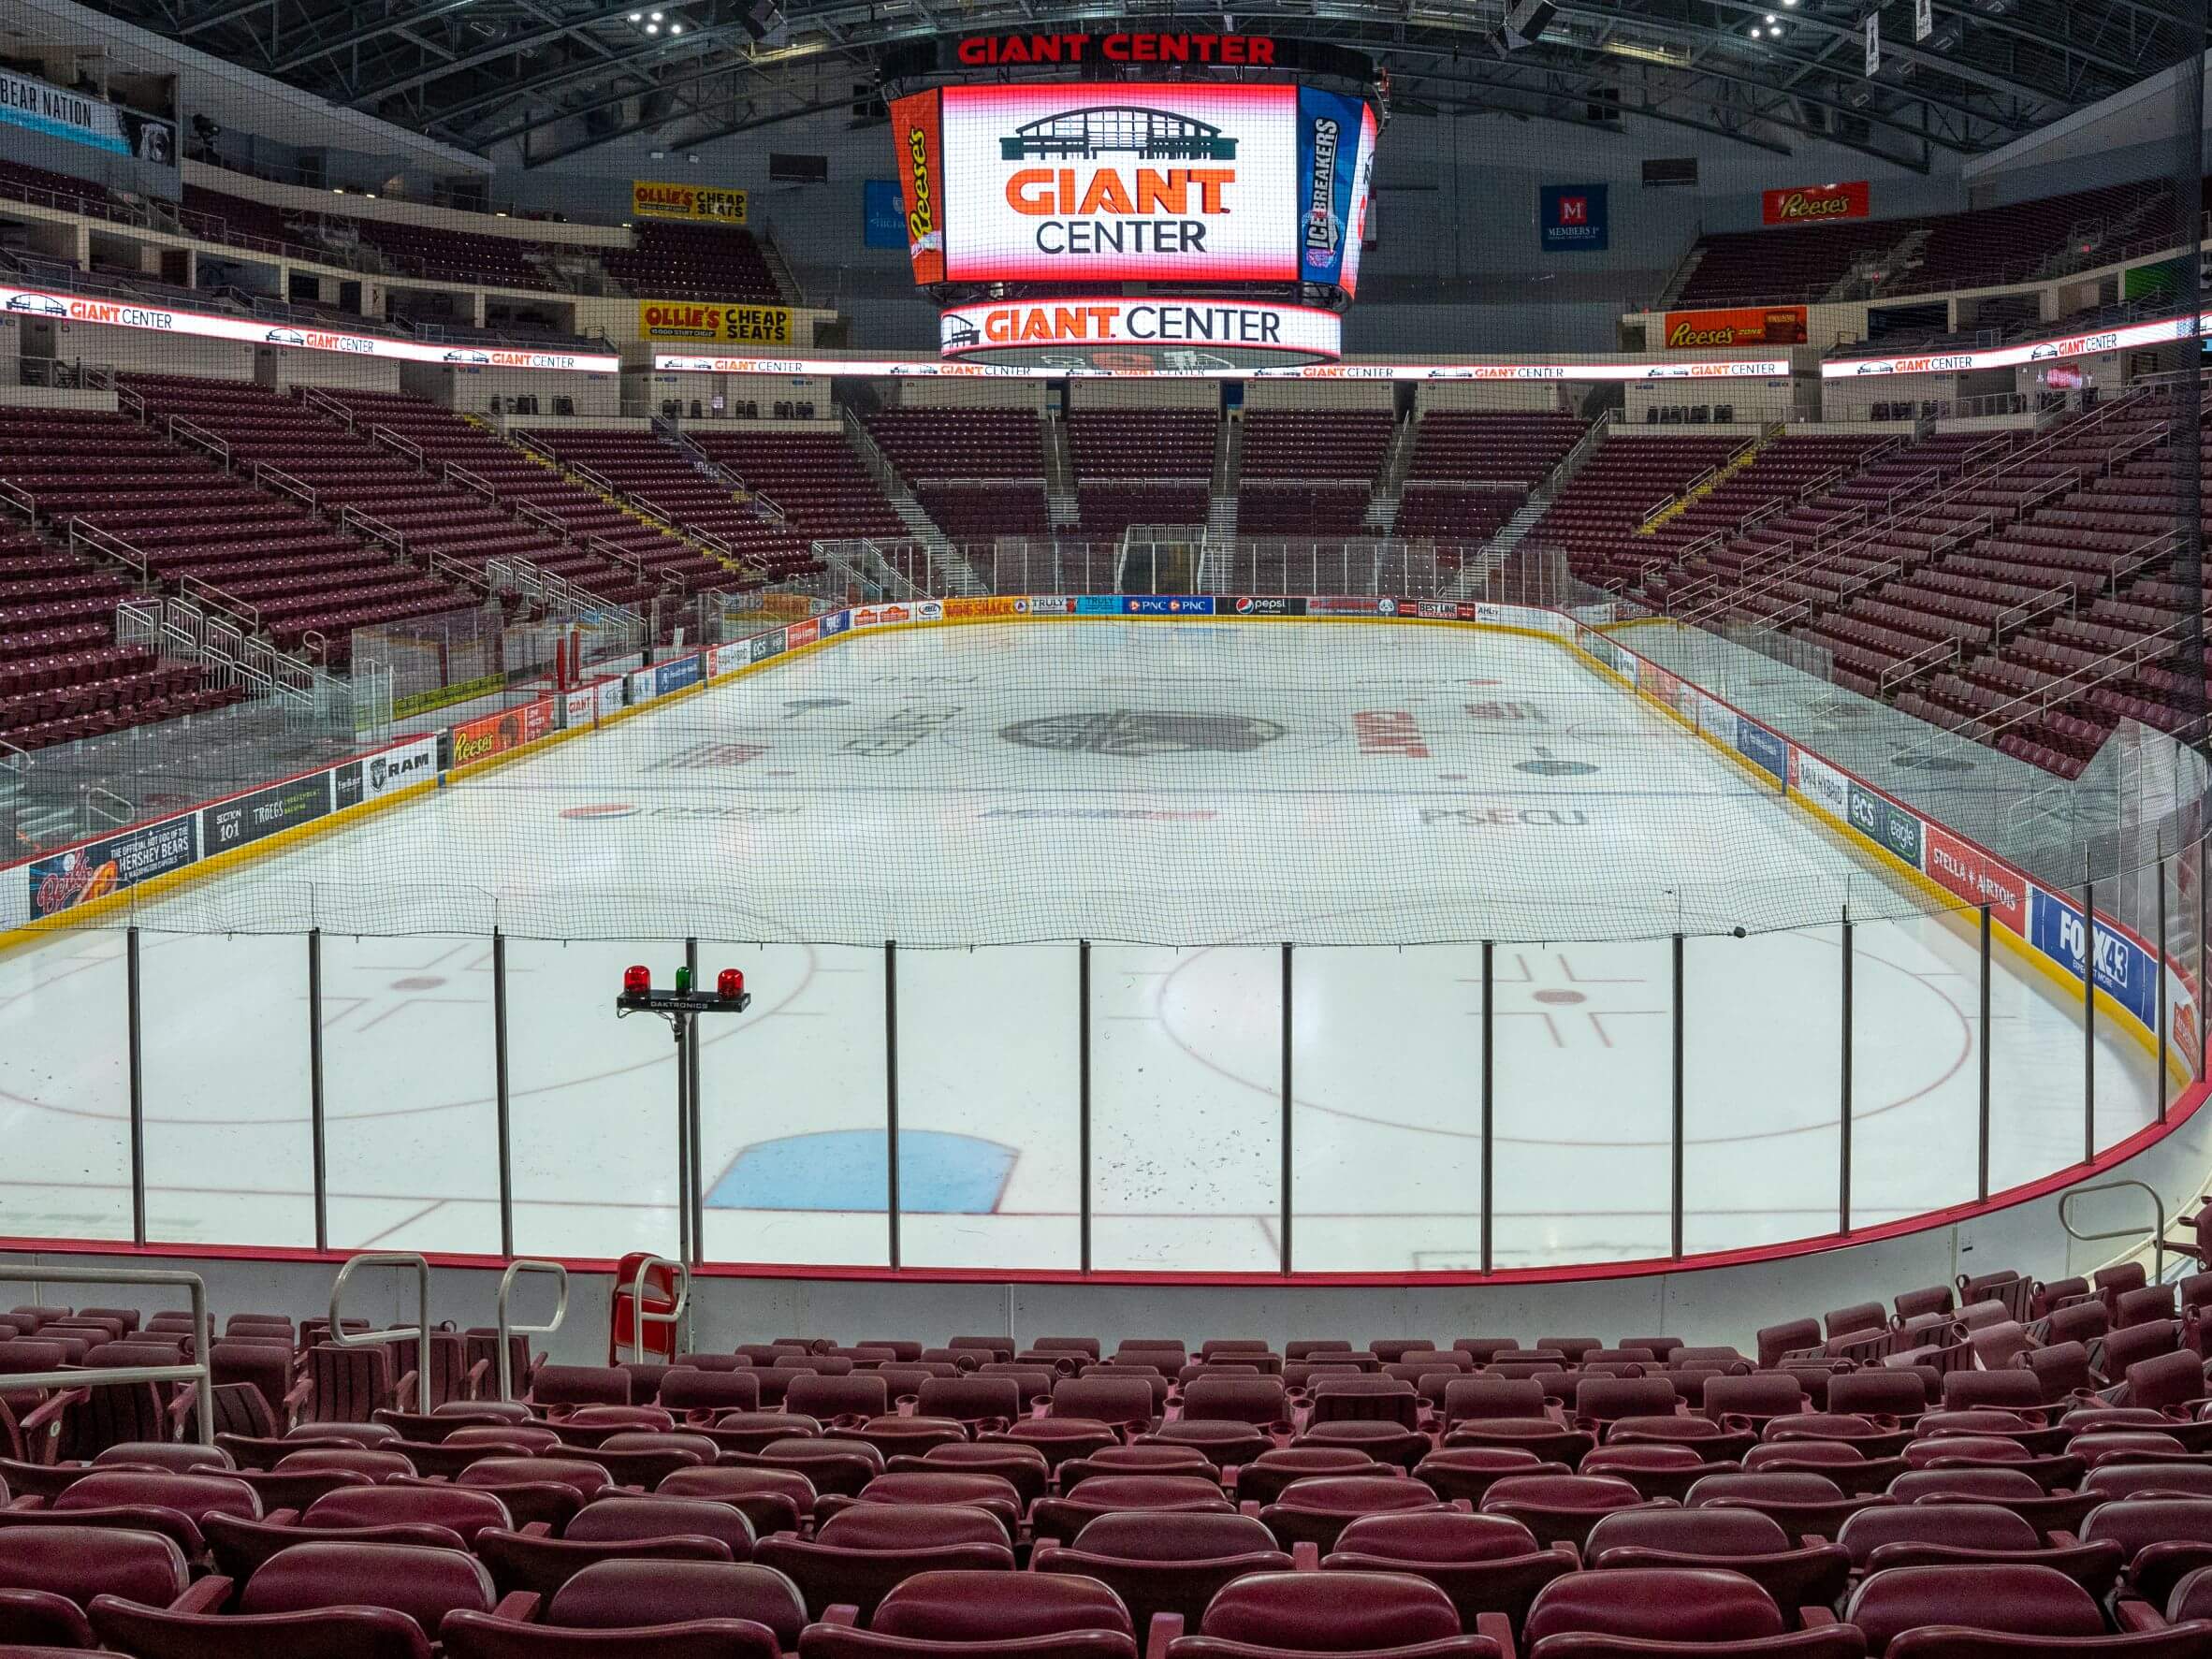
(1135, 182)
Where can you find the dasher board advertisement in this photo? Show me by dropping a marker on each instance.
(1118, 181)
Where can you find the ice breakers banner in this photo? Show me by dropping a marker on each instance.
(1123, 180)
(1330, 132)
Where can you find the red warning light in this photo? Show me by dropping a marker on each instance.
(729, 984)
(638, 980)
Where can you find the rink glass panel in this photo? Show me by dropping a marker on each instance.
(989, 1100)
(793, 1162)
(65, 1091)
(410, 1093)
(1762, 1082)
(1583, 1102)
(1915, 1066)
(229, 1130)
(1385, 1150)
(1186, 1109)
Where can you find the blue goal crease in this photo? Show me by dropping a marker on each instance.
(846, 1170)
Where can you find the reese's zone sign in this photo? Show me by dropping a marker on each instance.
(697, 202)
(741, 325)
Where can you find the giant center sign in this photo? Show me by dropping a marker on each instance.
(1109, 331)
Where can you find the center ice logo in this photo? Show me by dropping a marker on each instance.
(1127, 732)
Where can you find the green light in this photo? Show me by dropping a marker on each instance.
(683, 981)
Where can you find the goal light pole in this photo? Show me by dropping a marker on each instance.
(681, 1008)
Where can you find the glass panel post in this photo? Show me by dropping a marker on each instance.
(2089, 1013)
(1288, 1175)
(1981, 1057)
(1674, 1205)
(2158, 979)
(1844, 1119)
(1083, 1091)
(891, 1091)
(502, 1090)
(138, 1082)
(1490, 1049)
(318, 1126)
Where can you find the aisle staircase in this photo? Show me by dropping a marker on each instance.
(1475, 573)
(1063, 506)
(1709, 482)
(1389, 491)
(954, 574)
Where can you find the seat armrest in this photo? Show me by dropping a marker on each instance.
(2134, 1615)
(1305, 1556)
(282, 1518)
(206, 1596)
(518, 1604)
(1817, 1618)
(844, 1613)
(536, 1529)
(1166, 1628)
(1499, 1629)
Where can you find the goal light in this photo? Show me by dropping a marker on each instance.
(729, 995)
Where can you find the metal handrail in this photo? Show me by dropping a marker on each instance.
(421, 1330)
(197, 1374)
(640, 1315)
(2158, 1204)
(520, 1265)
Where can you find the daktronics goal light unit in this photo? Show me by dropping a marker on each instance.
(729, 995)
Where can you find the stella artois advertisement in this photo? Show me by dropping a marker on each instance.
(1816, 204)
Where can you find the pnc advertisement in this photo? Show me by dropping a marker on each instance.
(1124, 180)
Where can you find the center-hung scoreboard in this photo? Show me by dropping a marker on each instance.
(1136, 200)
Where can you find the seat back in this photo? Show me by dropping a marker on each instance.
(617, 1595)
(424, 1584)
(1701, 1605)
(1331, 1612)
(2033, 1601)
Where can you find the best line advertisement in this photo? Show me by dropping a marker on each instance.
(1128, 181)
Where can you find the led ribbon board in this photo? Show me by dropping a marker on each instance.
(898, 368)
(120, 313)
(1139, 336)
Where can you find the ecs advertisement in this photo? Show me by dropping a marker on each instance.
(1131, 180)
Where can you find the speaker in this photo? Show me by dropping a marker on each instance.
(1525, 22)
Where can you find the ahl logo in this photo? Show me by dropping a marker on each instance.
(604, 809)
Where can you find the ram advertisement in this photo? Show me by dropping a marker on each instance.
(1128, 180)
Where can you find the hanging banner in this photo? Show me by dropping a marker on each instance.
(701, 204)
(1816, 204)
(1332, 131)
(1873, 44)
(53, 113)
(917, 122)
(1923, 19)
(1571, 218)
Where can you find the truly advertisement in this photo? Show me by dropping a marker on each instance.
(917, 125)
(84, 874)
(501, 733)
(1816, 204)
(1330, 130)
(701, 204)
(116, 314)
(1977, 876)
(250, 818)
(1755, 324)
(1134, 180)
(2125, 971)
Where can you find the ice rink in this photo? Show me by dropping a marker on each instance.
(1188, 796)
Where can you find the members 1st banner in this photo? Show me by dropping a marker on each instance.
(724, 324)
(699, 203)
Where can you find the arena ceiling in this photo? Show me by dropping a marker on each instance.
(557, 77)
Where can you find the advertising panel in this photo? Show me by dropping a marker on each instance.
(53, 113)
(117, 313)
(2125, 970)
(1151, 181)
(578, 707)
(728, 324)
(509, 729)
(1755, 324)
(1822, 784)
(1169, 605)
(1269, 605)
(701, 204)
(250, 818)
(1349, 604)
(373, 776)
(1571, 219)
(801, 634)
(1247, 324)
(679, 674)
(1762, 749)
(1976, 877)
(835, 622)
(883, 214)
(97, 868)
(1097, 605)
(1332, 130)
(761, 646)
(917, 124)
(610, 697)
(1816, 204)
(643, 686)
